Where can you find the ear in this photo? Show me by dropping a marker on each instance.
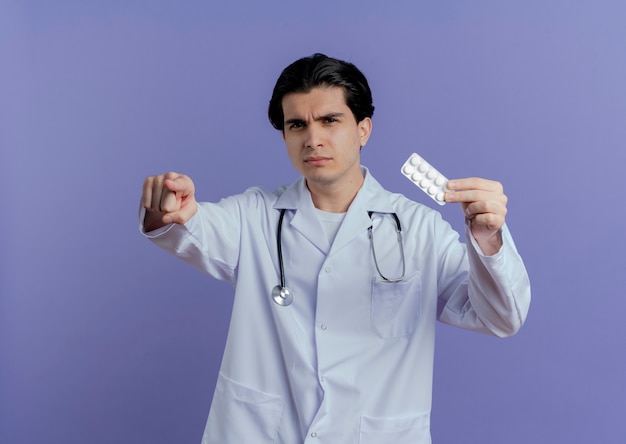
(365, 129)
(283, 133)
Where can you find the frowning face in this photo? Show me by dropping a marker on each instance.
(323, 138)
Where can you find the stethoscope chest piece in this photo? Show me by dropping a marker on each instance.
(282, 295)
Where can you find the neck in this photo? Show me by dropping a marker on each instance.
(335, 198)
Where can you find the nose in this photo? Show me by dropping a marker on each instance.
(313, 137)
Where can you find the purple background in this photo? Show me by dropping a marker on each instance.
(105, 339)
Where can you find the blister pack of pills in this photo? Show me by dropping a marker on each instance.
(425, 177)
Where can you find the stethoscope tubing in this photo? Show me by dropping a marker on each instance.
(279, 245)
(399, 232)
(283, 296)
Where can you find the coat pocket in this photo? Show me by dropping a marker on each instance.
(396, 306)
(241, 414)
(404, 430)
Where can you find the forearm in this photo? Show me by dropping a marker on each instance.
(208, 247)
(499, 288)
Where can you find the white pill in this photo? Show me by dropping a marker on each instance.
(426, 177)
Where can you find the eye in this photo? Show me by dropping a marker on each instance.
(296, 125)
(330, 120)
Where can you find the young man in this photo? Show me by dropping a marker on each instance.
(341, 351)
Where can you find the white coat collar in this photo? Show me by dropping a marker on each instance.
(371, 197)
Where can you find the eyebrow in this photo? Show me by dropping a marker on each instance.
(316, 119)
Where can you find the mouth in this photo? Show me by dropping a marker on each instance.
(317, 160)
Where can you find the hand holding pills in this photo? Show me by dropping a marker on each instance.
(482, 200)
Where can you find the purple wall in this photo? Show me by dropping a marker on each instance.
(105, 339)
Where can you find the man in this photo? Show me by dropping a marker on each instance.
(342, 350)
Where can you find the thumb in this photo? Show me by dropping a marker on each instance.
(182, 215)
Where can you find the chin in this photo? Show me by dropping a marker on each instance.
(318, 177)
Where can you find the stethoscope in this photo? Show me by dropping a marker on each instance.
(282, 295)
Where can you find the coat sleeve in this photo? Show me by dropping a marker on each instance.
(209, 241)
(488, 294)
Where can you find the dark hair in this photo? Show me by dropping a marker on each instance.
(316, 71)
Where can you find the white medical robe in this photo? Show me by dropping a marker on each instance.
(351, 359)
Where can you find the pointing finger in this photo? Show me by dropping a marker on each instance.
(169, 201)
(179, 183)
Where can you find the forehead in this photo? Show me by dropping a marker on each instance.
(319, 100)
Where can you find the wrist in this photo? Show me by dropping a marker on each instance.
(153, 221)
(489, 245)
